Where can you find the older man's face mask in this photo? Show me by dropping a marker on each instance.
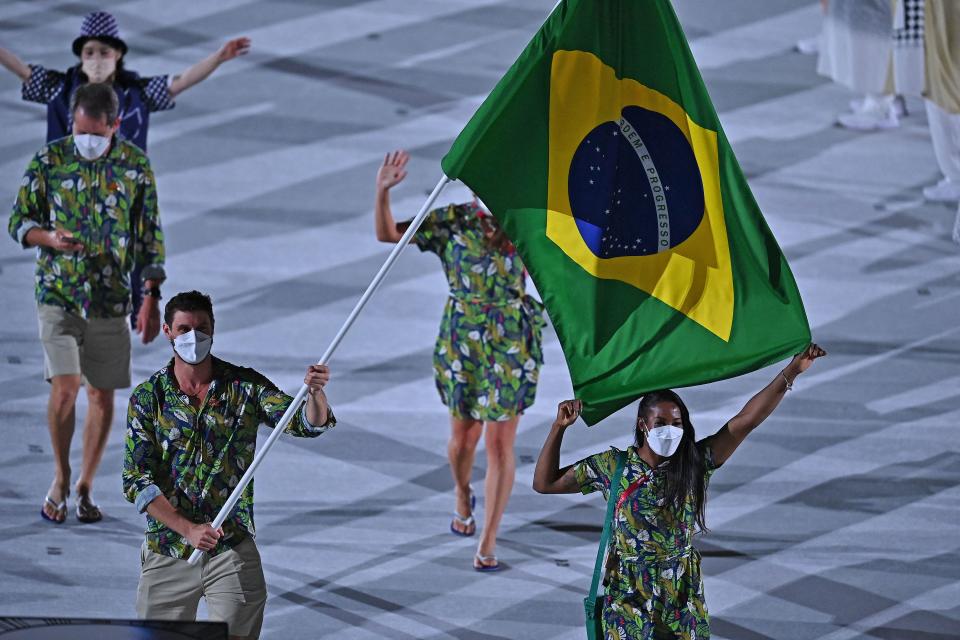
(92, 136)
(98, 60)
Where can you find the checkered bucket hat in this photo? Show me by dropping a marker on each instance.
(102, 26)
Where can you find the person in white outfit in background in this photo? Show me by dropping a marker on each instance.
(811, 46)
(942, 98)
(874, 47)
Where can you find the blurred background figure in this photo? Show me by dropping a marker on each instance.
(942, 93)
(100, 55)
(810, 46)
(907, 58)
(874, 47)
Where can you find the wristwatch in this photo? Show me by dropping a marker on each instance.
(153, 292)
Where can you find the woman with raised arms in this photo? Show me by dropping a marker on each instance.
(654, 585)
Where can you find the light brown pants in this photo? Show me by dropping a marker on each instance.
(231, 582)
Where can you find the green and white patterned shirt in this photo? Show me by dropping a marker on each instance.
(110, 205)
(195, 457)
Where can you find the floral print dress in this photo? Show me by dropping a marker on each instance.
(655, 589)
(488, 355)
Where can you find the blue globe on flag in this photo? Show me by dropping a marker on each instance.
(635, 187)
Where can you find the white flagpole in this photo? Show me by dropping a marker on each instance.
(325, 359)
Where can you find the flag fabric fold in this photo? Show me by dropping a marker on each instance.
(602, 156)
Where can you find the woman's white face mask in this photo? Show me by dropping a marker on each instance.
(664, 440)
(98, 61)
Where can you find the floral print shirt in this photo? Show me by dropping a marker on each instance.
(643, 525)
(195, 457)
(110, 204)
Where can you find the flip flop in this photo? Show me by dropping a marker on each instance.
(465, 521)
(479, 560)
(60, 508)
(87, 512)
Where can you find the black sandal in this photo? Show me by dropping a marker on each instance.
(87, 512)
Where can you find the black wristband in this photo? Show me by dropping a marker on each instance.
(153, 292)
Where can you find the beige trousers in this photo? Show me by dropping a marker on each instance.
(231, 582)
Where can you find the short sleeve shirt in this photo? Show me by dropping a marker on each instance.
(644, 525)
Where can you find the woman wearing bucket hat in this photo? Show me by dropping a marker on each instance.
(101, 51)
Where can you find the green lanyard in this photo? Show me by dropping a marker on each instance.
(612, 496)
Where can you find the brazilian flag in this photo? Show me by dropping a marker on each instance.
(602, 156)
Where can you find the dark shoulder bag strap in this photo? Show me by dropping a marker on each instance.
(612, 496)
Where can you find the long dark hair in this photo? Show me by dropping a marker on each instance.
(496, 238)
(684, 476)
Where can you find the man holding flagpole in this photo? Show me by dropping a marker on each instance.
(191, 434)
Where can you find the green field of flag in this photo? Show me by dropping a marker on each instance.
(601, 154)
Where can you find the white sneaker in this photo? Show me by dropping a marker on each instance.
(808, 46)
(875, 115)
(944, 191)
(899, 105)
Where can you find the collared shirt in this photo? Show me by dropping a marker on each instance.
(643, 524)
(110, 204)
(195, 457)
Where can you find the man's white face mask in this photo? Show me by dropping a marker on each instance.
(90, 145)
(665, 440)
(193, 346)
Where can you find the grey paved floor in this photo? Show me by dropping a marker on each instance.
(836, 520)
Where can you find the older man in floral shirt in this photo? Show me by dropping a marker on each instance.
(191, 434)
(88, 203)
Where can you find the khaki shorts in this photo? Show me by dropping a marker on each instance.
(97, 348)
(231, 582)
